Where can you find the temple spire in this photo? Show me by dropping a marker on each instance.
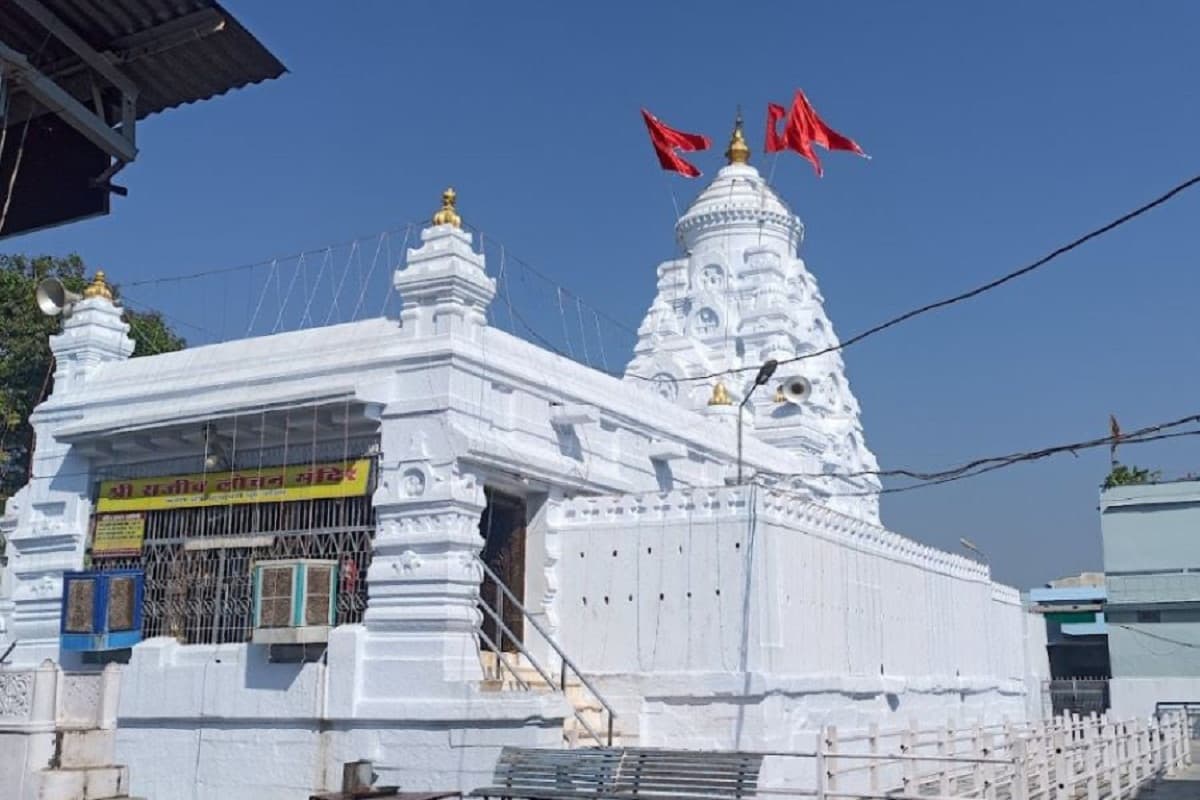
(739, 151)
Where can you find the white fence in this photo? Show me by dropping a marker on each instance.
(1063, 758)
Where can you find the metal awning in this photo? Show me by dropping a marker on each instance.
(172, 52)
(83, 73)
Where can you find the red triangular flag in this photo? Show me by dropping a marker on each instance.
(805, 128)
(824, 135)
(667, 140)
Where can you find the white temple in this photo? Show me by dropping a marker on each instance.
(413, 465)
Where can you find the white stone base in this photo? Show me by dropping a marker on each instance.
(195, 759)
(222, 722)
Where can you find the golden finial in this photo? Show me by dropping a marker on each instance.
(98, 287)
(720, 396)
(739, 151)
(446, 215)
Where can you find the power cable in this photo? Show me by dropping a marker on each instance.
(1002, 464)
(1087, 237)
(1131, 437)
(1160, 637)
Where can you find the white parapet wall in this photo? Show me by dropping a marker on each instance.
(745, 617)
(222, 722)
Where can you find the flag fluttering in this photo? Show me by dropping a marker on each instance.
(667, 141)
(804, 128)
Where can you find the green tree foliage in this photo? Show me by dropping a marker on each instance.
(25, 361)
(1122, 475)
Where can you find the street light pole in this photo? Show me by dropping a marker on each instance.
(764, 374)
(969, 545)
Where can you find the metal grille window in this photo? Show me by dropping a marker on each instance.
(199, 563)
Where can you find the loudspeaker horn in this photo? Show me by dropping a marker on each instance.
(795, 390)
(54, 298)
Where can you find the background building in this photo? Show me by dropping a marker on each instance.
(1152, 571)
(1076, 642)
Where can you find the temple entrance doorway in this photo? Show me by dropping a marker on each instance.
(502, 527)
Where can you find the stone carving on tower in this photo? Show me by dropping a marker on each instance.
(740, 296)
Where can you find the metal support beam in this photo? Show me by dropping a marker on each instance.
(118, 144)
(94, 59)
(164, 36)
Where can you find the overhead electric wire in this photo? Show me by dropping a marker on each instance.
(1161, 638)
(982, 466)
(958, 298)
(1131, 437)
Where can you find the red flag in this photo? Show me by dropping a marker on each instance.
(804, 129)
(667, 140)
(824, 135)
(775, 142)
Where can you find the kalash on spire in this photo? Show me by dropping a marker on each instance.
(739, 151)
(739, 296)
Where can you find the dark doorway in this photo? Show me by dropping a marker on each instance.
(502, 527)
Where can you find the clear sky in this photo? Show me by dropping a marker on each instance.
(998, 131)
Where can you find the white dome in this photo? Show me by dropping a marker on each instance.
(738, 200)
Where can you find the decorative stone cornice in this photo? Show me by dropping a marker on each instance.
(739, 214)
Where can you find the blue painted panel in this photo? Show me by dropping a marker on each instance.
(100, 637)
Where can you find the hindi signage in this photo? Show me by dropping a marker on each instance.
(118, 535)
(265, 485)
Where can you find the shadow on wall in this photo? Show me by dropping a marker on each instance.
(262, 673)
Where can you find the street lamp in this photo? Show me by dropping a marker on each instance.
(764, 374)
(969, 545)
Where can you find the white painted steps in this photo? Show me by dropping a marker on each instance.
(578, 695)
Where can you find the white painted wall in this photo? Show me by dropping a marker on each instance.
(217, 722)
(743, 617)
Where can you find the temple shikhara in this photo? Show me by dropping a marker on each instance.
(417, 540)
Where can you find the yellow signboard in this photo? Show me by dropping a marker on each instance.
(265, 485)
(118, 535)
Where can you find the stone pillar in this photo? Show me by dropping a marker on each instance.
(48, 518)
(423, 584)
(419, 637)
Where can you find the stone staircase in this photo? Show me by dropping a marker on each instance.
(593, 723)
(588, 707)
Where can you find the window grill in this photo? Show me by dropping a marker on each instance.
(199, 562)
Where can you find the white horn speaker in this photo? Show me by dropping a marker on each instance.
(53, 298)
(795, 389)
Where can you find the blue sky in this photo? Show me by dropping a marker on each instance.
(998, 132)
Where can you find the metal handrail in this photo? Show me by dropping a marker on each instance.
(502, 591)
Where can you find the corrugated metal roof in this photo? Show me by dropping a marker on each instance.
(191, 64)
